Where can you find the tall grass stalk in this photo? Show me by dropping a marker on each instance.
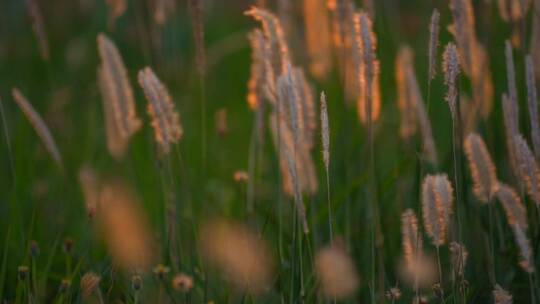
(294, 253)
(325, 136)
(439, 268)
(452, 79)
(432, 52)
(493, 274)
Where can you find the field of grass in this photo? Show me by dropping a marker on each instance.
(209, 208)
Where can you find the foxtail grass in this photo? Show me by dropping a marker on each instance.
(530, 173)
(437, 205)
(325, 139)
(433, 46)
(121, 119)
(532, 103)
(38, 124)
(165, 118)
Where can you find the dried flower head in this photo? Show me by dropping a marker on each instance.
(433, 43)
(368, 70)
(437, 201)
(165, 119)
(346, 48)
(275, 38)
(408, 124)
(412, 239)
(472, 56)
(532, 103)
(416, 268)
(530, 173)
(451, 72)
(38, 124)
(290, 107)
(325, 132)
(296, 166)
(526, 260)
(463, 29)
(516, 213)
(336, 272)
(411, 104)
(117, 94)
(482, 168)
(299, 155)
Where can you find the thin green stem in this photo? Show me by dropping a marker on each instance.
(493, 275)
(330, 229)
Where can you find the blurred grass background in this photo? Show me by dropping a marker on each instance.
(40, 202)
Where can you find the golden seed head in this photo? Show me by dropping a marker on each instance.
(437, 201)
